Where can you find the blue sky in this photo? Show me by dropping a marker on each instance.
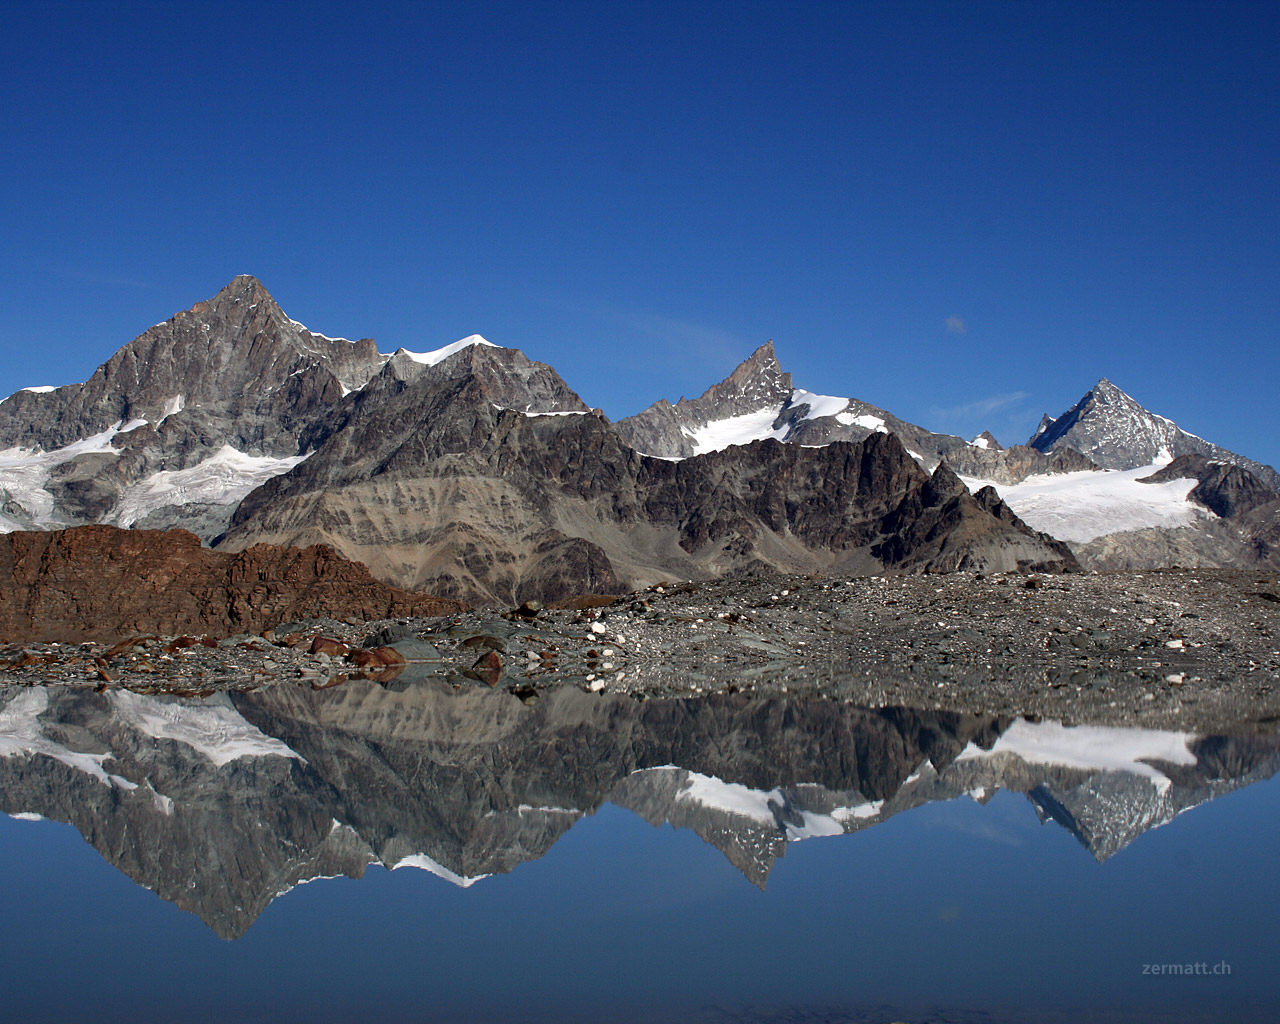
(965, 213)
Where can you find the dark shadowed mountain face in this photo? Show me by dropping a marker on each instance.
(221, 807)
(1113, 430)
(438, 484)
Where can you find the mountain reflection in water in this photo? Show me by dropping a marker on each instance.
(221, 805)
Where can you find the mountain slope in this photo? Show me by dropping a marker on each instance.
(437, 484)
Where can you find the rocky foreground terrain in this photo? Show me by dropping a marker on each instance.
(1193, 650)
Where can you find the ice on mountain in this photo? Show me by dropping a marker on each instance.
(1084, 505)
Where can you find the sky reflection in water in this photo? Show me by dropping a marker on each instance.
(947, 903)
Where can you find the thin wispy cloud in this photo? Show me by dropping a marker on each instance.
(98, 278)
(955, 325)
(982, 406)
(683, 334)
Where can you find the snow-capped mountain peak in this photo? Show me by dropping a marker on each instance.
(1115, 431)
(441, 354)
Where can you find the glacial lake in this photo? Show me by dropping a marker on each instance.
(594, 858)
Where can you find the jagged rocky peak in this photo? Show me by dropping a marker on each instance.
(757, 383)
(987, 440)
(510, 378)
(232, 358)
(1115, 431)
(179, 423)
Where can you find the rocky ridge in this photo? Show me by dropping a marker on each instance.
(103, 583)
(508, 505)
(184, 422)
(758, 400)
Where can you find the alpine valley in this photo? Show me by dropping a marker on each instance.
(476, 473)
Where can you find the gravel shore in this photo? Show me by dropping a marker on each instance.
(1187, 649)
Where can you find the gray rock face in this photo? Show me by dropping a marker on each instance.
(1015, 464)
(1225, 489)
(235, 367)
(233, 371)
(1113, 430)
(507, 505)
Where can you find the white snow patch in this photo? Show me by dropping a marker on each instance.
(160, 802)
(425, 863)
(819, 405)
(27, 816)
(859, 812)
(25, 471)
(980, 442)
(756, 805)
(1091, 747)
(864, 420)
(224, 478)
(175, 405)
(216, 731)
(441, 354)
(21, 734)
(734, 430)
(1087, 504)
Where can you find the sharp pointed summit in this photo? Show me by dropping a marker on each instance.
(1115, 431)
(182, 421)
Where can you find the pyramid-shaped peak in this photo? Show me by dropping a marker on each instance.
(757, 379)
(763, 356)
(242, 285)
(243, 291)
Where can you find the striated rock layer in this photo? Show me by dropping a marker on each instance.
(104, 583)
(438, 484)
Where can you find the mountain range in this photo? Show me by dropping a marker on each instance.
(475, 472)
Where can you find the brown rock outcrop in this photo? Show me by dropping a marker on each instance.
(103, 583)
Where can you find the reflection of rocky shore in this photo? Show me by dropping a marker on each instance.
(220, 808)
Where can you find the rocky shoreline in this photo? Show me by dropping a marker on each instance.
(1186, 649)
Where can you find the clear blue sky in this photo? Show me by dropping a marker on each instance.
(965, 213)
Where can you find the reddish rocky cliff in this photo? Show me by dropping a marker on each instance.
(103, 583)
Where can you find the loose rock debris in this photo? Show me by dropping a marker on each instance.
(1191, 649)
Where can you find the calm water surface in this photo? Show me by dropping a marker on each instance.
(593, 858)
